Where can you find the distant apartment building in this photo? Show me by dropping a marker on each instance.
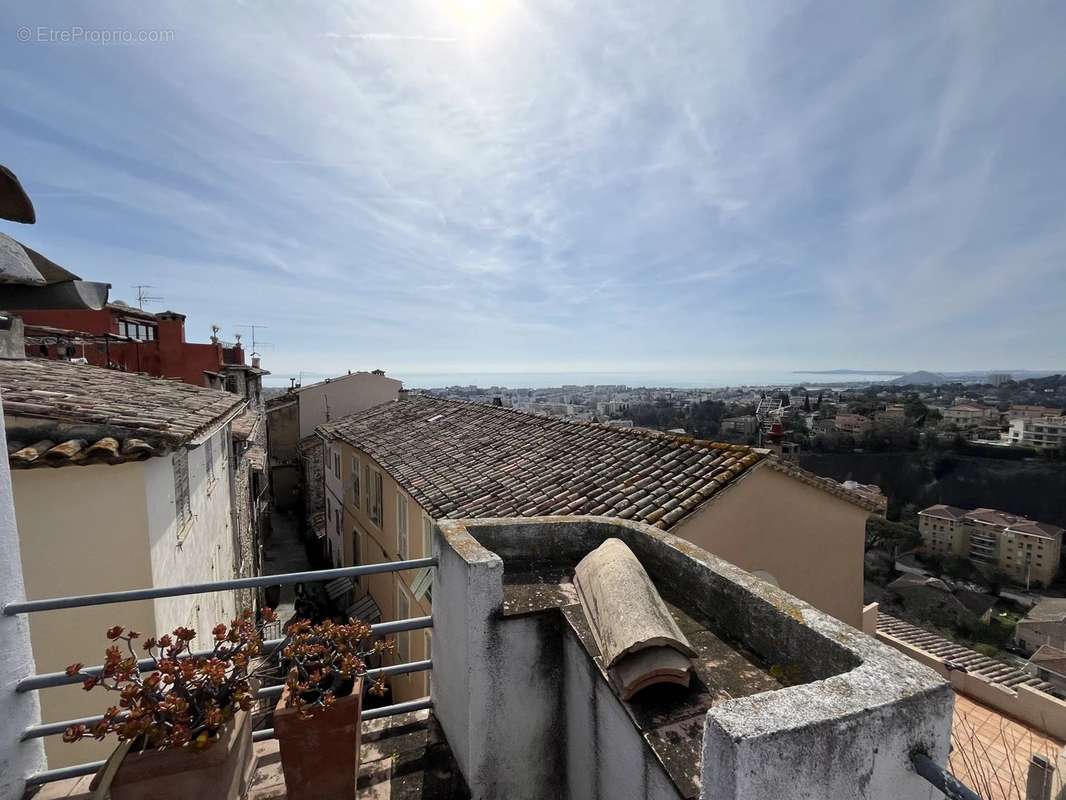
(119, 336)
(1024, 411)
(120, 481)
(852, 423)
(1043, 433)
(294, 457)
(1027, 551)
(968, 415)
(391, 472)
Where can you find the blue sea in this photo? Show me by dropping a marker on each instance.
(679, 380)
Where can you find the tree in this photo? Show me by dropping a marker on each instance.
(806, 402)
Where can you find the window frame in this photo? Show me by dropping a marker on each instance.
(403, 539)
(182, 490)
(427, 535)
(357, 481)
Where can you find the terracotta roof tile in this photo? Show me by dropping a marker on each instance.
(74, 414)
(460, 459)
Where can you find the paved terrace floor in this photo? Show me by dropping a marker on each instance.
(403, 758)
(990, 752)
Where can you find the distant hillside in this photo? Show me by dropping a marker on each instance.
(920, 377)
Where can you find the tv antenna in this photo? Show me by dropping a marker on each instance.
(143, 296)
(256, 343)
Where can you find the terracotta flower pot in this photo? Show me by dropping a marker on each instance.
(320, 754)
(221, 771)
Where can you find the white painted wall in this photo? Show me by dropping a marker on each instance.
(343, 396)
(204, 551)
(17, 711)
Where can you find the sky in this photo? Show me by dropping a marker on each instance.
(467, 185)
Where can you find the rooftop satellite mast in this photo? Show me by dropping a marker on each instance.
(256, 343)
(143, 296)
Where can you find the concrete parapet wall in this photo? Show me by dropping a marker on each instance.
(869, 619)
(1036, 708)
(528, 714)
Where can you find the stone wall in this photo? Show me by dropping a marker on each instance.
(248, 509)
(520, 727)
(311, 451)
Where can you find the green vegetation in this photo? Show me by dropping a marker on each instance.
(883, 534)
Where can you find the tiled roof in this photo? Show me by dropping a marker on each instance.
(957, 656)
(1050, 609)
(991, 516)
(460, 459)
(1050, 658)
(61, 413)
(944, 512)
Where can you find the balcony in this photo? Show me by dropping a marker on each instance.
(784, 700)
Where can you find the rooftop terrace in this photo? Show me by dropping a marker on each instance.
(784, 701)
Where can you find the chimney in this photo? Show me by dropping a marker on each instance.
(255, 362)
(171, 328)
(12, 340)
(497, 401)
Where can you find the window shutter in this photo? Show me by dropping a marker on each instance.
(401, 525)
(209, 458)
(182, 506)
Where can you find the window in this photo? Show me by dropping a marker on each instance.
(182, 505)
(356, 496)
(401, 525)
(209, 459)
(427, 536)
(369, 488)
(375, 499)
(403, 639)
(337, 464)
(329, 511)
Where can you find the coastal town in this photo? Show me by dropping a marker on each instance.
(245, 479)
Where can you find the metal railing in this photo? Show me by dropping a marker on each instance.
(52, 679)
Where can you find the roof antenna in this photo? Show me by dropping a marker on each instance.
(143, 296)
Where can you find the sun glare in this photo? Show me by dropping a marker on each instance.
(475, 20)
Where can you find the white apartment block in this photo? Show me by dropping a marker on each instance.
(1048, 433)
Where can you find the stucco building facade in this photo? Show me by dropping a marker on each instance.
(393, 471)
(102, 504)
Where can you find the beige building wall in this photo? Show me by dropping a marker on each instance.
(808, 541)
(360, 540)
(341, 397)
(1021, 554)
(82, 530)
(942, 536)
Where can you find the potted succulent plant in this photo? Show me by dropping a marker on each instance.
(183, 726)
(318, 717)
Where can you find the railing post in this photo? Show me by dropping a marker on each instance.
(18, 759)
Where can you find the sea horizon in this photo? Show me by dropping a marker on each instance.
(710, 379)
